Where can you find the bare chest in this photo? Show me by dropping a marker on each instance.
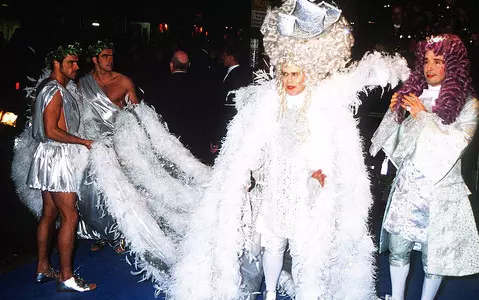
(116, 93)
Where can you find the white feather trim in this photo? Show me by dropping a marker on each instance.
(23, 150)
(151, 183)
(336, 251)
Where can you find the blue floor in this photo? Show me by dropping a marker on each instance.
(112, 274)
(107, 269)
(452, 288)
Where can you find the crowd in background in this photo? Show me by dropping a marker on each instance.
(395, 29)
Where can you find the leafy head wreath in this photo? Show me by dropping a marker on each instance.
(95, 48)
(58, 54)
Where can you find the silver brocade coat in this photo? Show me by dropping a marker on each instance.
(434, 150)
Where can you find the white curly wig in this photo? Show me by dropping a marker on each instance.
(318, 57)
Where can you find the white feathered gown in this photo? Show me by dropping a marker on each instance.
(335, 248)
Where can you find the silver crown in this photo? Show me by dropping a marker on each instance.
(307, 19)
(435, 39)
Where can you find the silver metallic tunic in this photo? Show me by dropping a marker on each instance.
(98, 119)
(100, 112)
(51, 168)
(429, 199)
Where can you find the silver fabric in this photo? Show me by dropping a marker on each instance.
(98, 118)
(95, 221)
(251, 268)
(409, 210)
(70, 109)
(308, 19)
(51, 168)
(429, 181)
(100, 113)
(400, 255)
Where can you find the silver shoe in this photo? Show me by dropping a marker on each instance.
(75, 284)
(269, 295)
(48, 276)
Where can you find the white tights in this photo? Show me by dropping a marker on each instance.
(273, 255)
(430, 286)
(398, 281)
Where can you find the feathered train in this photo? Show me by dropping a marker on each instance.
(151, 183)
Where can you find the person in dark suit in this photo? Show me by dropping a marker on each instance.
(395, 35)
(178, 101)
(235, 76)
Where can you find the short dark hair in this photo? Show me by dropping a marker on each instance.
(232, 49)
(97, 47)
(236, 49)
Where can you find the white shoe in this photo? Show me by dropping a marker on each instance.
(386, 297)
(269, 295)
(75, 284)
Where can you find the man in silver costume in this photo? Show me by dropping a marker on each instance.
(105, 93)
(428, 208)
(56, 119)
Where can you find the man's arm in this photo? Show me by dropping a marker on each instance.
(130, 90)
(55, 126)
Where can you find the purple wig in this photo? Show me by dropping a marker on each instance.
(457, 84)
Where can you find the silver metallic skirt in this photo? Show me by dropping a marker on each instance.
(52, 168)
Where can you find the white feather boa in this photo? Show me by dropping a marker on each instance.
(336, 250)
(151, 205)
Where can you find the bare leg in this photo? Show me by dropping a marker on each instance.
(65, 203)
(44, 232)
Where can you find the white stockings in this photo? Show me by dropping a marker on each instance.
(430, 287)
(272, 266)
(398, 281)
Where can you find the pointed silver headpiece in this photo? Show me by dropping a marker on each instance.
(307, 19)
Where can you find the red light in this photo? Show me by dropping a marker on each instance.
(17, 85)
(161, 27)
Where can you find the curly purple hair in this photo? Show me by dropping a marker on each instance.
(456, 86)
